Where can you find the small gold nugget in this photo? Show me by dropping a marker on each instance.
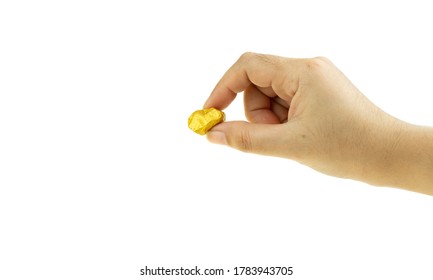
(201, 121)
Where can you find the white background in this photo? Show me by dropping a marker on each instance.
(100, 176)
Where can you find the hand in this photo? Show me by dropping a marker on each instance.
(308, 111)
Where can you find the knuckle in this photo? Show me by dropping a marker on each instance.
(322, 59)
(246, 56)
(316, 64)
(259, 57)
(243, 142)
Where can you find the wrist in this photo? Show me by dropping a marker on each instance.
(416, 150)
(404, 157)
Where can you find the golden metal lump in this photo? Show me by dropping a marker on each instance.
(201, 121)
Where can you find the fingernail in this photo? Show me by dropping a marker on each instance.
(217, 137)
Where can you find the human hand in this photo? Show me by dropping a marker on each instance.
(308, 111)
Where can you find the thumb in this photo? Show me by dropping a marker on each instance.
(267, 139)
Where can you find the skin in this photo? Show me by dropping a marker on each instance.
(307, 110)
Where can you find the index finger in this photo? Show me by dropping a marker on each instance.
(251, 68)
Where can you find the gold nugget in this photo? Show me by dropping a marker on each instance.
(201, 121)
